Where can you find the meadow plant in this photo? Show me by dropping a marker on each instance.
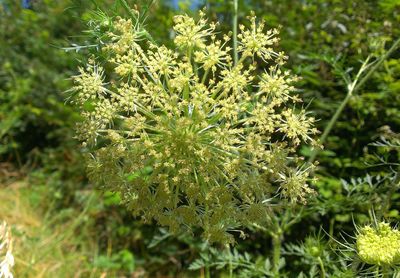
(379, 246)
(6, 257)
(375, 251)
(191, 136)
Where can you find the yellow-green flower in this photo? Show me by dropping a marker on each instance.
(184, 147)
(379, 246)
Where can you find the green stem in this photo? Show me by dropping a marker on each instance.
(207, 270)
(186, 90)
(235, 27)
(352, 88)
(128, 9)
(321, 265)
(189, 55)
(330, 126)
(135, 18)
(377, 64)
(385, 272)
(331, 227)
(377, 272)
(205, 76)
(276, 247)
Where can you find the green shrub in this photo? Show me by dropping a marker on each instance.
(33, 75)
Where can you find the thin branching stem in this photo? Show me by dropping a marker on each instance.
(351, 89)
(234, 29)
(378, 64)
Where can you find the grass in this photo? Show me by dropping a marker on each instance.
(46, 244)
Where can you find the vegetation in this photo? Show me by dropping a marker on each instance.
(190, 129)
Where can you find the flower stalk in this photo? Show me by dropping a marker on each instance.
(322, 267)
(235, 29)
(352, 88)
(276, 255)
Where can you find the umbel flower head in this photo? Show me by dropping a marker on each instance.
(379, 246)
(187, 137)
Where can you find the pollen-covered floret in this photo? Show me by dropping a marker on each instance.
(278, 84)
(124, 36)
(297, 126)
(187, 148)
(294, 185)
(213, 55)
(379, 245)
(127, 64)
(254, 41)
(89, 84)
(191, 34)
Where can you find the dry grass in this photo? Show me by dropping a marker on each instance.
(44, 246)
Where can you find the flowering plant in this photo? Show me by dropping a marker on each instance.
(379, 246)
(188, 136)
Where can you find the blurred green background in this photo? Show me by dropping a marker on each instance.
(64, 227)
